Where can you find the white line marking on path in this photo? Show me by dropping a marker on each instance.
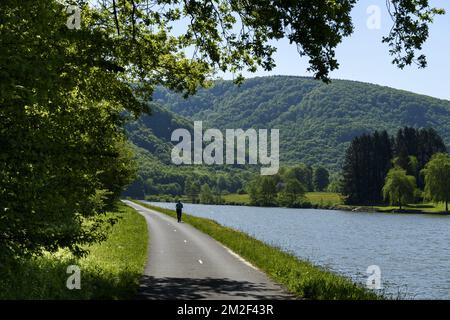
(185, 241)
(174, 230)
(240, 258)
(200, 261)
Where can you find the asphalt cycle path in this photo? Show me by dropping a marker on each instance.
(184, 263)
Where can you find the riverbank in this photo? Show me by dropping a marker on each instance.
(333, 201)
(111, 270)
(301, 278)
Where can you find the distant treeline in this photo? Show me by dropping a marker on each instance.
(288, 187)
(408, 167)
(361, 179)
(155, 178)
(370, 157)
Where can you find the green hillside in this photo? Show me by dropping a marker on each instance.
(152, 132)
(316, 120)
(150, 137)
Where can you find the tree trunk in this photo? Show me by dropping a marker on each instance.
(446, 206)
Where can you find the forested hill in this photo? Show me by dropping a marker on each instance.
(152, 133)
(316, 120)
(151, 139)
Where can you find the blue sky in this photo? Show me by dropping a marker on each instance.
(363, 57)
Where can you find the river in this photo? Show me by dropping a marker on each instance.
(411, 250)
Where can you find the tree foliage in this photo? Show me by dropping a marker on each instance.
(64, 92)
(414, 148)
(192, 189)
(369, 158)
(287, 188)
(234, 35)
(437, 178)
(263, 190)
(399, 187)
(291, 194)
(366, 164)
(206, 195)
(64, 158)
(410, 30)
(321, 179)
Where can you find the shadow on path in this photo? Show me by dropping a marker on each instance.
(205, 288)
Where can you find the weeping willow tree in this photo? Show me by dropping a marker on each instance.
(399, 187)
(437, 179)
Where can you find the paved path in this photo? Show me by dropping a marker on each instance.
(184, 263)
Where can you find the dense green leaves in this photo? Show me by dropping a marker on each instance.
(370, 157)
(291, 194)
(64, 158)
(367, 161)
(263, 191)
(414, 148)
(321, 179)
(399, 187)
(206, 195)
(437, 178)
(410, 30)
(287, 188)
(151, 134)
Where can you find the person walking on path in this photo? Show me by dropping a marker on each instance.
(179, 207)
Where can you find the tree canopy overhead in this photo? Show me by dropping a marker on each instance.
(232, 35)
(135, 38)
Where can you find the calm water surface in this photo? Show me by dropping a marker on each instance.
(412, 251)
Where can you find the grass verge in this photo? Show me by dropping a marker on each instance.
(301, 278)
(415, 208)
(111, 270)
(334, 200)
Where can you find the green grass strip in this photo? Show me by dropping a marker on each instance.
(301, 278)
(111, 270)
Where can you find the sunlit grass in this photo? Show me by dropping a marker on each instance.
(236, 198)
(330, 199)
(324, 198)
(419, 208)
(301, 278)
(111, 271)
(315, 198)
